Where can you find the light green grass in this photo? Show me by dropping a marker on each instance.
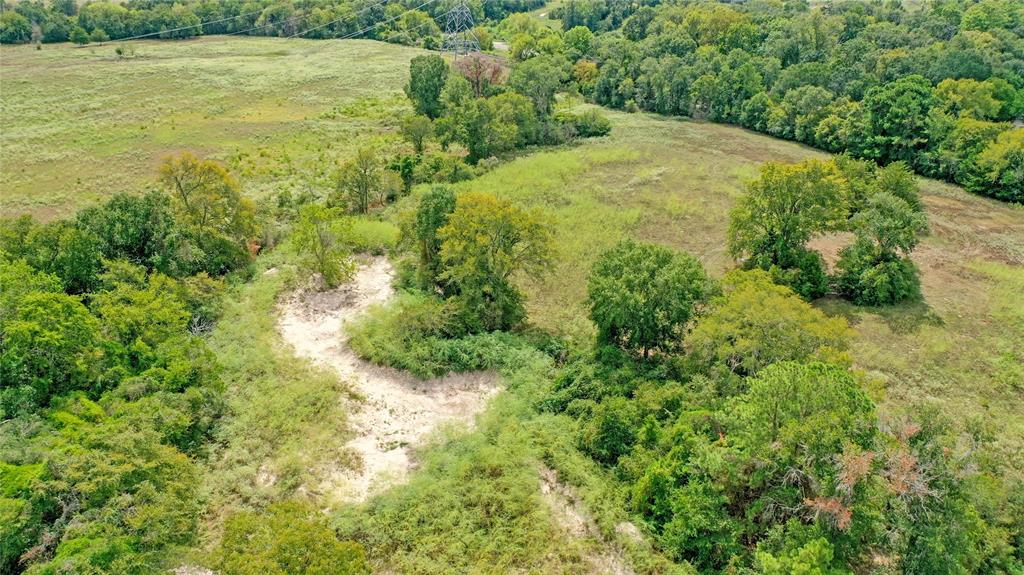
(79, 124)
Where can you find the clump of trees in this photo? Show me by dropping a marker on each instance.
(475, 107)
(788, 205)
(747, 442)
(109, 396)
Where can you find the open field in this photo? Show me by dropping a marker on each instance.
(78, 124)
(673, 182)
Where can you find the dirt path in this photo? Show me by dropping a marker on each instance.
(569, 512)
(399, 410)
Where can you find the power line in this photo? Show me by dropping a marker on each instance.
(459, 37)
(367, 29)
(302, 15)
(199, 25)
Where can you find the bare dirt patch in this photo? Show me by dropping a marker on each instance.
(398, 410)
(572, 516)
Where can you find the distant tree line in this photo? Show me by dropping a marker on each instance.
(938, 85)
(64, 20)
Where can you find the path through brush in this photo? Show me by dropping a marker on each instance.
(399, 410)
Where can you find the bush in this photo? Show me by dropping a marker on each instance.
(805, 275)
(589, 124)
(98, 35)
(442, 168)
(79, 35)
(867, 278)
(421, 334)
(609, 431)
(289, 539)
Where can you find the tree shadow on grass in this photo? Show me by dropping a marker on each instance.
(903, 318)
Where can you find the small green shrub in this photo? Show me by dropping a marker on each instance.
(420, 334)
(869, 279)
(589, 124)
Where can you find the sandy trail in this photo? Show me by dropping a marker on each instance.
(570, 513)
(399, 410)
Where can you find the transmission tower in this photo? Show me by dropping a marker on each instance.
(458, 31)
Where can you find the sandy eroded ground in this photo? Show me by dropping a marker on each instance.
(399, 410)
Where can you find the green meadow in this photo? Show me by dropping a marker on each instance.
(78, 124)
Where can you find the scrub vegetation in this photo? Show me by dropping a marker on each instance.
(323, 306)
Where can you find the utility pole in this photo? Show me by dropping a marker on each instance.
(458, 31)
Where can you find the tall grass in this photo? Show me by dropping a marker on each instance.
(287, 422)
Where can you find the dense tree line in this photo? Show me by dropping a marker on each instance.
(64, 20)
(937, 85)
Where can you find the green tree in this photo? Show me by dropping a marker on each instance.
(610, 431)
(642, 296)
(435, 207)
(897, 113)
(47, 347)
(803, 414)
(323, 234)
(876, 269)
(99, 35)
(485, 242)
(359, 181)
(141, 229)
(756, 323)
(427, 77)
(1001, 168)
(786, 206)
(967, 97)
(417, 130)
(79, 35)
(578, 42)
(208, 197)
(700, 530)
(538, 79)
(14, 28)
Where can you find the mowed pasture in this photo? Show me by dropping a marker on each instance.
(79, 124)
(673, 182)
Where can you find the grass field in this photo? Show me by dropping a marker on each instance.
(673, 182)
(78, 124)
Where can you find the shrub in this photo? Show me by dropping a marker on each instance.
(421, 334)
(98, 35)
(609, 431)
(290, 538)
(589, 124)
(805, 273)
(867, 278)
